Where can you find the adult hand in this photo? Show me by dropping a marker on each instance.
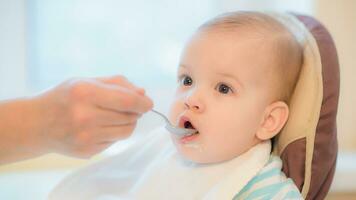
(80, 117)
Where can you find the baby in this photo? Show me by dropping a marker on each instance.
(235, 78)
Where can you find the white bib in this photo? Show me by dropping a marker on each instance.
(152, 169)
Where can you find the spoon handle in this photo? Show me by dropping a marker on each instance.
(162, 115)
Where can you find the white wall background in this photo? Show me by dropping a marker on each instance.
(13, 72)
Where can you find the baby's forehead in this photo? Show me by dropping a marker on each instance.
(245, 47)
(241, 53)
(258, 38)
(223, 57)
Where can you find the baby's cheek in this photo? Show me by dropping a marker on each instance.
(174, 111)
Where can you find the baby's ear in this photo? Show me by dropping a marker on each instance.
(276, 115)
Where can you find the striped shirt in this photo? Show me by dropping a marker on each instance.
(270, 183)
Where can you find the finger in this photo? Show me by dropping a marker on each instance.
(105, 117)
(121, 99)
(115, 133)
(122, 81)
(141, 91)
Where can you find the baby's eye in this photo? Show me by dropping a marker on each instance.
(186, 80)
(223, 88)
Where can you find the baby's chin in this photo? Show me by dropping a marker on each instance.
(195, 152)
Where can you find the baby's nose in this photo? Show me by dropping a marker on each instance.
(194, 104)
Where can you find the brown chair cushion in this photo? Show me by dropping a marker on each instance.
(325, 145)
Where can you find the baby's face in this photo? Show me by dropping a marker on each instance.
(222, 91)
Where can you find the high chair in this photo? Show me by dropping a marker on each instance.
(308, 145)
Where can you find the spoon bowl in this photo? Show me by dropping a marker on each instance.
(181, 132)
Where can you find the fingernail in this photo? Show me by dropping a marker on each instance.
(141, 91)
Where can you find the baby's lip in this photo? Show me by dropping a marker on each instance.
(183, 120)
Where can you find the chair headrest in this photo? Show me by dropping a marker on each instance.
(308, 144)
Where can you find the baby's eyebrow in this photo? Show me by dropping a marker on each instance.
(183, 66)
(230, 76)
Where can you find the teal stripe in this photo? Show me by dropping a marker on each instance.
(270, 173)
(269, 191)
(293, 195)
(266, 192)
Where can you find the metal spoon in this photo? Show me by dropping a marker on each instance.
(181, 132)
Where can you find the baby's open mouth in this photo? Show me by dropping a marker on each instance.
(189, 125)
(186, 123)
